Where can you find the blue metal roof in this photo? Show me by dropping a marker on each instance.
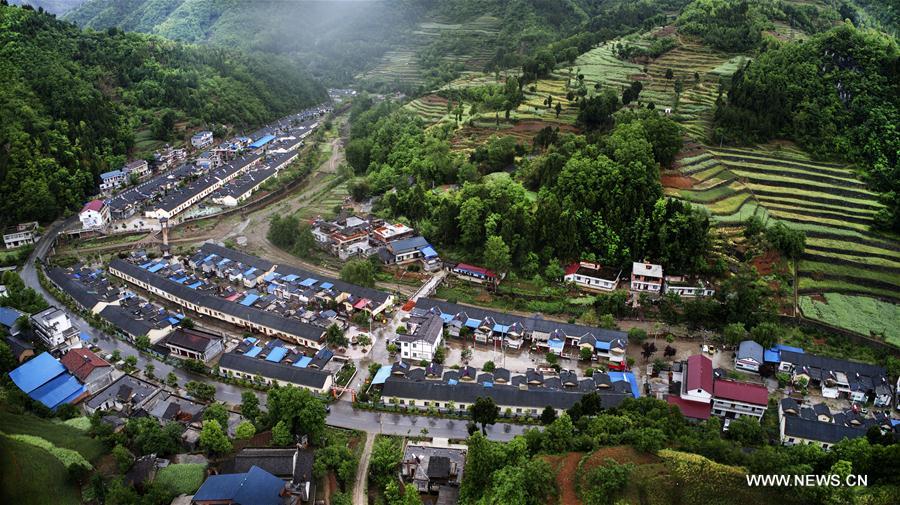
(277, 354)
(303, 362)
(196, 285)
(770, 356)
(446, 317)
(308, 282)
(36, 372)
(223, 261)
(499, 328)
(781, 347)
(253, 352)
(290, 278)
(156, 268)
(452, 382)
(250, 299)
(429, 252)
(262, 141)
(599, 344)
(249, 272)
(9, 316)
(111, 174)
(172, 320)
(473, 323)
(326, 285)
(627, 377)
(84, 336)
(55, 392)
(383, 373)
(555, 344)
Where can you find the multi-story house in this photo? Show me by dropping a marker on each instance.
(646, 277)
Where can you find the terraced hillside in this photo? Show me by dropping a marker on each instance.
(469, 47)
(825, 200)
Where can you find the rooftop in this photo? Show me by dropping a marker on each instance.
(647, 269)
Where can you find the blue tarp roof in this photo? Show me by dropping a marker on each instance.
(599, 344)
(262, 141)
(271, 276)
(253, 352)
(308, 282)
(770, 356)
(196, 285)
(172, 320)
(303, 362)
(211, 256)
(252, 340)
(84, 336)
(627, 377)
(473, 323)
(555, 344)
(156, 268)
(446, 317)
(782, 347)
(223, 261)
(326, 285)
(290, 278)
(250, 299)
(57, 390)
(257, 487)
(277, 354)
(145, 265)
(9, 316)
(429, 252)
(488, 384)
(36, 372)
(499, 328)
(452, 382)
(383, 373)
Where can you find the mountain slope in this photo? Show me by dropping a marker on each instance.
(72, 100)
(51, 6)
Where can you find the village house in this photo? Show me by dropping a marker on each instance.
(593, 276)
(688, 287)
(800, 424)
(10, 320)
(139, 168)
(44, 379)
(422, 338)
(94, 215)
(112, 180)
(247, 367)
(734, 399)
(20, 349)
(390, 232)
(749, 356)
(55, 329)
(126, 395)
(408, 250)
(202, 139)
(646, 278)
(859, 382)
(474, 273)
(701, 394)
(189, 343)
(92, 370)
(293, 466)
(22, 234)
(434, 470)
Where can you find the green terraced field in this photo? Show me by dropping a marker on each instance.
(863, 315)
(845, 258)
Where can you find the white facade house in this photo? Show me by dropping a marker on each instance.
(112, 179)
(646, 277)
(733, 399)
(139, 168)
(593, 276)
(688, 287)
(94, 215)
(424, 337)
(54, 327)
(202, 139)
(23, 234)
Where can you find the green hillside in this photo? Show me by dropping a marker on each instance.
(72, 102)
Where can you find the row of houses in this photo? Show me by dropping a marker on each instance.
(526, 394)
(817, 424)
(512, 331)
(836, 378)
(645, 278)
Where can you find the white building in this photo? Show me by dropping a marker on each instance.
(646, 277)
(23, 234)
(112, 179)
(139, 168)
(593, 276)
(423, 338)
(688, 287)
(94, 215)
(202, 139)
(54, 327)
(733, 399)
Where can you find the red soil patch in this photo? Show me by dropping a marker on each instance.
(765, 264)
(620, 454)
(567, 468)
(665, 31)
(434, 100)
(536, 126)
(676, 181)
(819, 298)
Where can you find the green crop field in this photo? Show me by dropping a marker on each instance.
(863, 315)
(182, 478)
(29, 474)
(58, 434)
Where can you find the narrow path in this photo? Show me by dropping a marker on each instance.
(362, 471)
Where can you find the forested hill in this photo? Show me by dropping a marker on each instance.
(51, 6)
(71, 101)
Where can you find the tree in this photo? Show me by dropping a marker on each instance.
(488, 366)
(244, 430)
(216, 412)
(172, 380)
(7, 360)
(142, 342)
(554, 272)
(669, 351)
(789, 242)
(637, 335)
(187, 323)
(408, 495)
(558, 109)
(608, 322)
(200, 391)
(586, 353)
(605, 482)
(130, 363)
(334, 336)
(649, 349)
(359, 272)
(548, 415)
(766, 334)
(746, 431)
(123, 458)
(213, 439)
(299, 409)
(496, 255)
(250, 406)
(484, 411)
(734, 334)
(384, 462)
(559, 435)
(669, 74)
(281, 434)
(149, 371)
(148, 437)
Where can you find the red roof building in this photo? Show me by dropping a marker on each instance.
(698, 379)
(94, 205)
(693, 410)
(92, 370)
(746, 392)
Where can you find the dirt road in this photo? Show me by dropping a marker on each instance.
(362, 472)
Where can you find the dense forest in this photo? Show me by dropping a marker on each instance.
(71, 101)
(837, 95)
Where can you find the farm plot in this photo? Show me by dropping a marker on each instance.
(844, 255)
(863, 315)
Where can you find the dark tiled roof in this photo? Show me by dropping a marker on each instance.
(287, 373)
(193, 340)
(813, 429)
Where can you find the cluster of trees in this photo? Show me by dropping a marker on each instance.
(494, 470)
(72, 99)
(729, 25)
(292, 235)
(658, 46)
(836, 94)
(19, 296)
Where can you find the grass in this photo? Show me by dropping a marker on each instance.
(184, 478)
(58, 434)
(31, 475)
(856, 313)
